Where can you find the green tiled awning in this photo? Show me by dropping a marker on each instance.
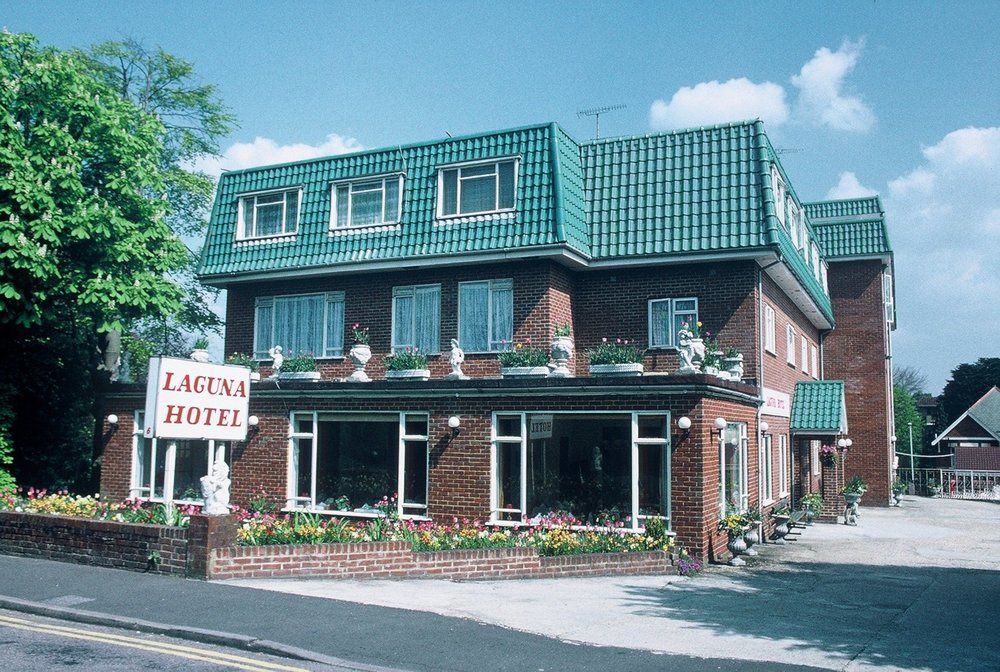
(818, 407)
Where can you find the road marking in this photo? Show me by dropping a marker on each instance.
(191, 653)
(69, 600)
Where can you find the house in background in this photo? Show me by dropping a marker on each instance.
(974, 438)
(500, 238)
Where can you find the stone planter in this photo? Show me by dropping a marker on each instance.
(734, 367)
(408, 374)
(934, 490)
(810, 514)
(200, 355)
(752, 537)
(561, 351)
(781, 528)
(524, 371)
(359, 355)
(298, 375)
(711, 370)
(632, 369)
(737, 547)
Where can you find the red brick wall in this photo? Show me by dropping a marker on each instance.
(856, 352)
(396, 559)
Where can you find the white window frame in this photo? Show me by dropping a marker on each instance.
(744, 490)
(814, 361)
(887, 297)
(269, 301)
(790, 344)
(439, 211)
(143, 485)
(494, 285)
(814, 447)
(815, 261)
(765, 469)
(779, 192)
(241, 228)
(769, 336)
(294, 502)
(804, 354)
(672, 318)
(523, 441)
(783, 466)
(823, 270)
(412, 291)
(350, 184)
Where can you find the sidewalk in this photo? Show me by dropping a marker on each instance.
(373, 635)
(913, 588)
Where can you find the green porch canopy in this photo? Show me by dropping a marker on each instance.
(818, 407)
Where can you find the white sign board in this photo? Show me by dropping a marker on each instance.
(776, 403)
(540, 427)
(191, 400)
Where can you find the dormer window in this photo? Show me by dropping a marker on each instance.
(793, 218)
(778, 187)
(815, 261)
(268, 214)
(368, 202)
(476, 189)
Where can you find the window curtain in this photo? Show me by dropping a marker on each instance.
(661, 323)
(291, 211)
(268, 219)
(427, 319)
(506, 171)
(503, 316)
(402, 321)
(343, 201)
(366, 204)
(449, 192)
(262, 329)
(479, 187)
(335, 326)
(391, 214)
(298, 325)
(473, 317)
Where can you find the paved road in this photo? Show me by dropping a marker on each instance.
(396, 638)
(913, 588)
(29, 643)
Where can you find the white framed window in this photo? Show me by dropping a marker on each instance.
(416, 318)
(814, 446)
(814, 360)
(804, 248)
(769, 329)
(778, 186)
(544, 463)
(167, 470)
(793, 218)
(824, 268)
(477, 188)
(887, 296)
(790, 344)
(347, 463)
(302, 324)
(486, 315)
(269, 214)
(667, 317)
(368, 202)
(815, 261)
(804, 354)
(733, 492)
(766, 470)
(783, 465)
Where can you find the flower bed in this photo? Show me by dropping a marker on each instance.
(62, 503)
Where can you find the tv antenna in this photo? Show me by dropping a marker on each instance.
(787, 150)
(596, 113)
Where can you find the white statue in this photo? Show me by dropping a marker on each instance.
(456, 359)
(215, 487)
(691, 351)
(277, 359)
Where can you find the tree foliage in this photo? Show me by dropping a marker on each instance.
(968, 383)
(911, 379)
(904, 409)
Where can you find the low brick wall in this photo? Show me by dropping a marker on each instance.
(396, 559)
(94, 542)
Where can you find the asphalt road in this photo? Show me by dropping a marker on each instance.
(397, 638)
(36, 643)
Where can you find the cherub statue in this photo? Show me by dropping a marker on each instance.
(277, 359)
(215, 487)
(691, 351)
(456, 359)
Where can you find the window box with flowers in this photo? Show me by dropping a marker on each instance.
(408, 364)
(299, 367)
(524, 361)
(616, 358)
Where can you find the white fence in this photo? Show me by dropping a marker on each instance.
(954, 483)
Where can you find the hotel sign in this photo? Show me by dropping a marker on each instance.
(776, 403)
(540, 427)
(191, 400)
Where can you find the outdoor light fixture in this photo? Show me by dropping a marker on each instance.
(842, 443)
(684, 423)
(253, 420)
(112, 419)
(455, 423)
(764, 427)
(720, 424)
(850, 443)
(893, 438)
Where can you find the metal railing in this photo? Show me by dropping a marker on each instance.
(953, 483)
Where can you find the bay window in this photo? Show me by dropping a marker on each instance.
(477, 188)
(733, 494)
(486, 315)
(304, 324)
(416, 318)
(267, 214)
(349, 462)
(370, 202)
(599, 468)
(667, 317)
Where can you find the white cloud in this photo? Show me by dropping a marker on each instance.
(966, 147)
(717, 102)
(822, 99)
(264, 151)
(848, 187)
(918, 181)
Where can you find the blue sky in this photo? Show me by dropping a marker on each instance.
(902, 98)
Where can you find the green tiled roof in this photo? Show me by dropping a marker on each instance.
(867, 207)
(818, 406)
(860, 238)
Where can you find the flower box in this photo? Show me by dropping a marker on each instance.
(524, 371)
(408, 374)
(630, 369)
(298, 375)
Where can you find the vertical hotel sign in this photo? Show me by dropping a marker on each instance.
(191, 400)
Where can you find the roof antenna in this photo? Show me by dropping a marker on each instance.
(596, 113)
(787, 150)
(447, 133)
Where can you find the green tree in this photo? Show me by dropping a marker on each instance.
(967, 384)
(904, 410)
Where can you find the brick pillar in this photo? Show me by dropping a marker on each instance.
(831, 483)
(205, 534)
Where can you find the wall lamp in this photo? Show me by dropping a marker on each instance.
(764, 427)
(720, 424)
(112, 419)
(684, 424)
(253, 421)
(455, 423)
